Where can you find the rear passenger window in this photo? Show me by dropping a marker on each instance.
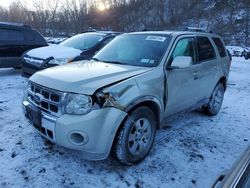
(11, 35)
(220, 47)
(28, 36)
(205, 49)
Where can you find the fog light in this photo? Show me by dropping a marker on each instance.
(77, 138)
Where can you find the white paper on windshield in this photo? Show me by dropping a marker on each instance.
(148, 61)
(145, 60)
(156, 38)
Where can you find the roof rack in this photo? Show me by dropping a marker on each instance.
(197, 29)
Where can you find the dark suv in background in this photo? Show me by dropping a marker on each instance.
(15, 39)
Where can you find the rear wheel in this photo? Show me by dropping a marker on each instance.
(215, 103)
(136, 136)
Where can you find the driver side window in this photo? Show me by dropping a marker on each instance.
(184, 47)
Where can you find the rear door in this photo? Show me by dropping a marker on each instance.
(224, 58)
(11, 47)
(183, 84)
(210, 71)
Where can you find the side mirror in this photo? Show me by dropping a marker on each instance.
(182, 62)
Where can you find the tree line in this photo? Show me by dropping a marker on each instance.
(228, 18)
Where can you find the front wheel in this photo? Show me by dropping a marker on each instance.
(136, 136)
(215, 103)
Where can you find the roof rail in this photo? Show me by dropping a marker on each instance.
(197, 29)
(153, 29)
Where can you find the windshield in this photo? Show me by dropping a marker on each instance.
(135, 49)
(83, 41)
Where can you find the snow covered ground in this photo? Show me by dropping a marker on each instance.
(191, 151)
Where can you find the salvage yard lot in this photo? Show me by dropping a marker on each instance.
(191, 151)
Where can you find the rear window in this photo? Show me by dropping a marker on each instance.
(11, 35)
(220, 47)
(205, 49)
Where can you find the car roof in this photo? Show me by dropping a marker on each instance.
(104, 34)
(177, 33)
(12, 24)
(109, 32)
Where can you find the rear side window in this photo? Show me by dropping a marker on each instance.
(29, 36)
(11, 35)
(205, 49)
(220, 47)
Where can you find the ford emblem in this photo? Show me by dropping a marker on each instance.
(37, 98)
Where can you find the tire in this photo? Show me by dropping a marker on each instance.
(215, 103)
(135, 137)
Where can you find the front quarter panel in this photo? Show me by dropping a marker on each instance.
(148, 86)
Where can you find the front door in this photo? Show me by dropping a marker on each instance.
(183, 84)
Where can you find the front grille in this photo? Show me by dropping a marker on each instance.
(46, 99)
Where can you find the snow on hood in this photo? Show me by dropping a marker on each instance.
(86, 76)
(56, 51)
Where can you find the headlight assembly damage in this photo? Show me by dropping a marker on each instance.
(77, 104)
(82, 104)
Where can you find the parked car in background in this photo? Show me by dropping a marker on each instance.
(246, 53)
(236, 51)
(15, 39)
(115, 102)
(238, 176)
(82, 46)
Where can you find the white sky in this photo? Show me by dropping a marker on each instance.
(29, 3)
(6, 3)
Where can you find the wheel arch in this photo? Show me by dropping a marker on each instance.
(223, 81)
(149, 101)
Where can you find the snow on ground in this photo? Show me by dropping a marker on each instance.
(191, 151)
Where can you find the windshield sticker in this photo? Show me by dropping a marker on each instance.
(152, 61)
(145, 60)
(156, 38)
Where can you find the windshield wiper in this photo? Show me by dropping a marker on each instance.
(95, 59)
(115, 62)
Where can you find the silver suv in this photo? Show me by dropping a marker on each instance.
(116, 101)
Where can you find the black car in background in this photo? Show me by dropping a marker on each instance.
(15, 39)
(79, 47)
(88, 54)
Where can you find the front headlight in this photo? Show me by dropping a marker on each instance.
(60, 61)
(77, 104)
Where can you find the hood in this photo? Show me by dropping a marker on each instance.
(56, 51)
(85, 76)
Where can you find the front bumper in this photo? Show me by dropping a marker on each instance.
(92, 133)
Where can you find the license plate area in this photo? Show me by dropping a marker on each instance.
(34, 115)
